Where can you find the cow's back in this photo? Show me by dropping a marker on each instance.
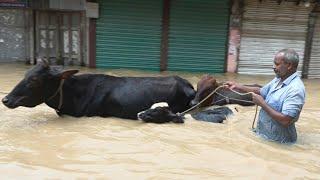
(134, 94)
(103, 95)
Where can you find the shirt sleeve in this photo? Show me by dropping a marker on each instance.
(293, 103)
(265, 89)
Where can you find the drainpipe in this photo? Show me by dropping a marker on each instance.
(308, 44)
(165, 36)
(92, 43)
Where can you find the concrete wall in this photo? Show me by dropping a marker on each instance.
(14, 35)
(234, 36)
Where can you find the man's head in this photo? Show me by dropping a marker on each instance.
(285, 63)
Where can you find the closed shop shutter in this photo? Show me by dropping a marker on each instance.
(198, 35)
(267, 28)
(129, 34)
(13, 35)
(314, 66)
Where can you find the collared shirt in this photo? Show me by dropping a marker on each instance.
(288, 98)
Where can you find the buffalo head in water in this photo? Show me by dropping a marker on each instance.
(222, 96)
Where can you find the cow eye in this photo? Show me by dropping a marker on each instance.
(33, 81)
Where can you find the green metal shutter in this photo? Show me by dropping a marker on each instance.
(129, 34)
(198, 35)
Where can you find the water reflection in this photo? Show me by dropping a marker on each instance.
(37, 143)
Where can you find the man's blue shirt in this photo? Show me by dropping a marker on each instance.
(288, 98)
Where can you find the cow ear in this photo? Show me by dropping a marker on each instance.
(44, 62)
(66, 74)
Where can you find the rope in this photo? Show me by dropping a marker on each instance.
(59, 90)
(234, 98)
(215, 91)
(256, 112)
(190, 109)
(254, 119)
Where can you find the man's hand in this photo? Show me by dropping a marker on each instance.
(257, 99)
(278, 116)
(230, 85)
(239, 87)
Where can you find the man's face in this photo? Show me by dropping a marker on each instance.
(280, 67)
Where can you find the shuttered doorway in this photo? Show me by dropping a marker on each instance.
(314, 66)
(58, 37)
(267, 28)
(198, 35)
(129, 34)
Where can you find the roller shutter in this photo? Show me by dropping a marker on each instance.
(197, 35)
(314, 66)
(129, 34)
(268, 27)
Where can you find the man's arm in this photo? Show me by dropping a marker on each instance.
(236, 86)
(278, 116)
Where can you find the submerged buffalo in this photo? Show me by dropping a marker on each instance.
(222, 96)
(160, 113)
(97, 94)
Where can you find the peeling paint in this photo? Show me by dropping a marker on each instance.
(43, 35)
(75, 42)
(66, 41)
(51, 36)
(19, 36)
(12, 35)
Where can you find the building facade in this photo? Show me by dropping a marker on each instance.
(268, 26)
(213, 36)
(54, 30)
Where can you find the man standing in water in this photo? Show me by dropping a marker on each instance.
(281, 100)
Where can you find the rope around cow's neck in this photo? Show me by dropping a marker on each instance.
(215, 91)
(59, 90)
(190, 109)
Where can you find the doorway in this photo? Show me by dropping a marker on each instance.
(59, 37)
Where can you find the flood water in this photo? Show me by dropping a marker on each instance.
(37, 144)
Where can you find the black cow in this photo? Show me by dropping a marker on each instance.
(97, 94)
(160, 113)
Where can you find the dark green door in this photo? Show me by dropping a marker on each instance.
(129, 34)
(198, 35)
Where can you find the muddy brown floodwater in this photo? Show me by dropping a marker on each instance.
(37, 144)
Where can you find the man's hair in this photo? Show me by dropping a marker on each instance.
(290, 56)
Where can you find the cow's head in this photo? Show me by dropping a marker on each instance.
(204, 87)
(160, 113)
(39, 83)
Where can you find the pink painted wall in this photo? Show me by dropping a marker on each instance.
(233, 51)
